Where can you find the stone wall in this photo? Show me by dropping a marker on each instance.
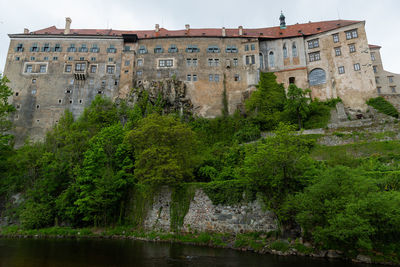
(204, 216)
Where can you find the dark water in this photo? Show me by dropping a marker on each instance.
(52, 252)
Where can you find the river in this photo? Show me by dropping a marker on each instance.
(93, 252)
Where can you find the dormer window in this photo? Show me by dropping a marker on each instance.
(111, 49)
(34, 48)
(192, 49)
(231, 49)
(94, 49)
(158, 49)
(83, 48)
(71, 48)
(142, 50)
(173, 49)
(213, 49)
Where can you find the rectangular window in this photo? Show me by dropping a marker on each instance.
(341, 69)
(246, 47)
(237, 78)
(93, 68)
(127, 48)
(46, 58)
(210, 62)
(194, 77)
(165, 63)
(253, 47)
(173, 49)
(142, 50)
(210, 78)
(314, 56)
(390, 79)
(376, 80)
(46, 48)
(216, 62)
(110, 69)
(192, 49)
(140, 62)
(70, 58)
(17, 58)
(158, 50)
(231, 49)
(379, 90)
(375, 69)
(351, 34)
(127, 62)
(57, 48)
(139, 73)
(188, 62)
(111, 49)
(94, 49)
(235, 62)
(313, 43)
(19, 48)
(93, 59)
(357, 67)
(216, 77)
(71, 48)
(247, 60)
(82, 58)
(253, 59)
(33, 58)
(213, 49)
(68, 68)
(188, 77)
(338, 52)
(83, 48)
(34, 48)
(55, 58)
(335, 38)
(194, 62)
(373, 56)
(110, 59)
(352, 48)
(393, 88)
(80, 66)
(43, 69)
(28, 69)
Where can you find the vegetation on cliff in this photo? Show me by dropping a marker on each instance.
(103, 168)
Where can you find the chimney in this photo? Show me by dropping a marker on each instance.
(187, 26)
(26, 31)
(157, 28)
(67, 25)
(223, 32)
(240, 30)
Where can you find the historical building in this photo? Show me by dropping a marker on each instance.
(56, 69)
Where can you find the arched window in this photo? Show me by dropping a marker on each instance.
(271, 59)
(294, 50)
(261, 61)
(316, 77)
(285, 54)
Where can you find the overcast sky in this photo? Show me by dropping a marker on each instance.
(382, 17)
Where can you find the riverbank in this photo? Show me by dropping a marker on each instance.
(262, 243)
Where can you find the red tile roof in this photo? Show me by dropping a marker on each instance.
(374, 46)
(272, 32)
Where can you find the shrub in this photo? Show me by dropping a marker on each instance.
(383, 106)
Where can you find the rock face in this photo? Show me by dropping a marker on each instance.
(203, 216)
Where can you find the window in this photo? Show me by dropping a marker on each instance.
(313, 43)
(55, 58)
(46, 48)
(352, 48)
(111, 49)
(253, 47)
(94, 49)
(33, 58)
(379, 90)
(261, 58)
(68, 68)
(357, 67)
(110, 59)
(314, 56)
(216, 77)
(110, 69)
(70, 58)
(390, 79)
(246, 47)
(33, 80)
(294, 50)
(71, 82)
(338, 52)
(351, 34)
(250, 60)
(19, 48)
(373, 56)
(213, 62)
(57, 48)
(213, 49)
(80, 66)
(393, 88)
(165, 63)
(82, 58)
(140, 62)
(335, 38)
(139, 73)
(127, 48)
(158, 50)
(231, 49)
(292, 80)
(34, 48)
(142, 50)
(236, 77)
(93, 59)
(83, 48)
(188, 62)
(210, 77)
(71, 48)
(43, 68)
(210, 62)
(285, 53)
(127, 62)
(28, 69)
(173, 49)
(93, 68)
(192, 49)
(194, 62)
(235, 62)
(17, 58)
(194, 77)
(376, 80)
(341, 69)
(271, 59)
(91, 81)
(316, 77)
(375, 69)
(16, 93)
(188, 77)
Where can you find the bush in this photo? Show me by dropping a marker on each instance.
(383, 106)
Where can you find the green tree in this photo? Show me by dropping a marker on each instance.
(266, 104)
(297, 104)
(165, 150)
(5, 111)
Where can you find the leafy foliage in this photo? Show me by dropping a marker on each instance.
(382, 105)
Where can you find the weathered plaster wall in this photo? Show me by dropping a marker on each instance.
(204, 216)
